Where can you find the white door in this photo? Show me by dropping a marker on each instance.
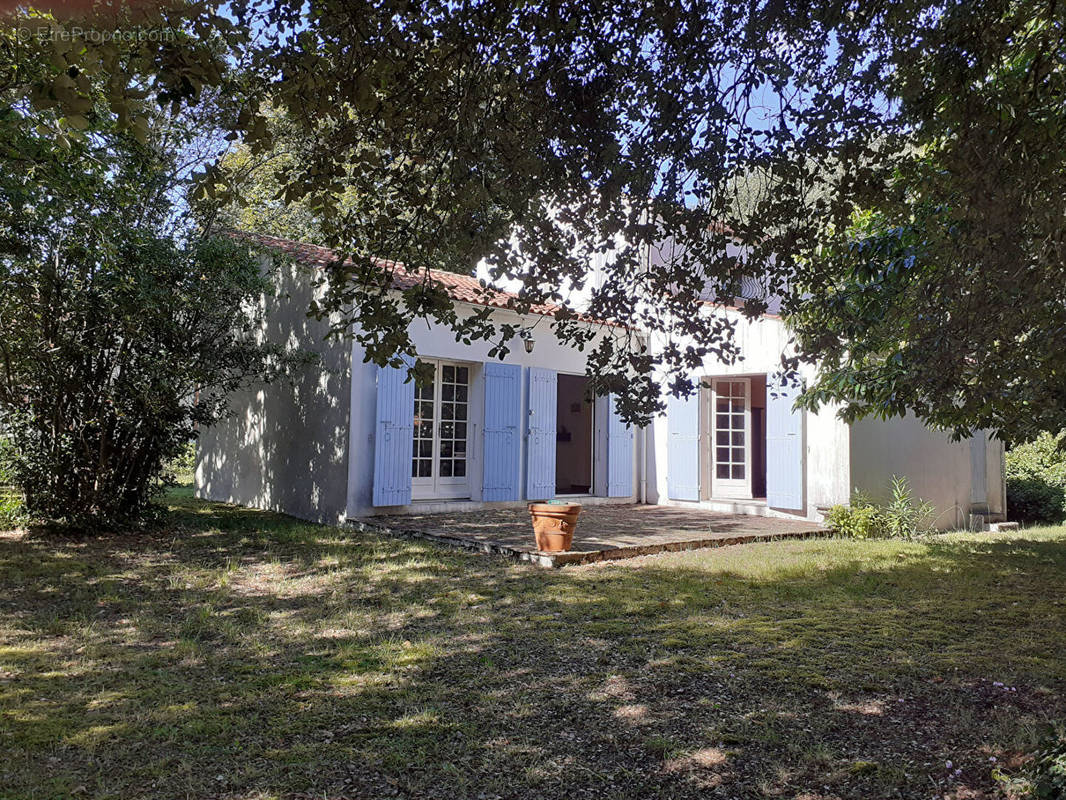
(731, 417)
(441, 433)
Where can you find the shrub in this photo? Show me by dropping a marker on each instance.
(855, 522)
(146, 338)
(1049, 766)
(903, 517)
(182, 467)
(907, 516)
(12, 510)
(7, 461)
(1036, 480)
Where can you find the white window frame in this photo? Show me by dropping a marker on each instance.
(730, 488)
(436, 486)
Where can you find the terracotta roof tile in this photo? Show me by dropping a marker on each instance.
(463, 288)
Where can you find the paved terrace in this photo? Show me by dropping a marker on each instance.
(603, 531)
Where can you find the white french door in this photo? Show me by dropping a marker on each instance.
(441, 433)
(731, 418)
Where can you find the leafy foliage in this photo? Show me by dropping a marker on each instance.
(182, 468)
(944, 296)
(903, 516)
(855, 521)
(542, 139)
(12, 509)
(121, 328)
(257, 184)
(1036, 480)
(7, 460)
(119, 358)
(1049, 766)
(894, 169)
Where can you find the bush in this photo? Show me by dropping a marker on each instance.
(7, 461)
(903, 517)
(1036, 480)
(182, 468)
(1049, 766)
(855, 522)
(906, 516)
(12, 510)
(146, 338)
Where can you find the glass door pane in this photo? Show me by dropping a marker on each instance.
(454, 404)
(731, 434)
(425, 417)
(439, 465)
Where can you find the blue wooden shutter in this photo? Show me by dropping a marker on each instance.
(394, 436)
(503, 417)
(540, 446)
(683, 448)
(619, 453)
(784, 448)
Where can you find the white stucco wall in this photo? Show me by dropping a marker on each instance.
(761, 342)
(285, 445)
(937, 469)
(306, 446)
(435, 341)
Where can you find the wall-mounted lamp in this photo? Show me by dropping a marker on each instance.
(529, 342)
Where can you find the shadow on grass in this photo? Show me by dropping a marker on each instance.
(245, 654)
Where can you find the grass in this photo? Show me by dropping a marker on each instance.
(241, 654)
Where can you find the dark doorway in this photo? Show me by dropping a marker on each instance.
(574, 436)
(758, 437)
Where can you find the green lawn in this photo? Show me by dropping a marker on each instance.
(246, 655)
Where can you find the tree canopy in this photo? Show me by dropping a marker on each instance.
(539, 136)
(947, 293)
(122, 327)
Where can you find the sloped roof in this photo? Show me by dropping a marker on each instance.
(462, 288)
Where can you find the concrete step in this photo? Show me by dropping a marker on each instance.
(1003, 526)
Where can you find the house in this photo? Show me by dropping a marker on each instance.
(348, 439)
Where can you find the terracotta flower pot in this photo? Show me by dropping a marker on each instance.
(554, 525)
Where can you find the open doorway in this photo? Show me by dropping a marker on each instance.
(575, 420)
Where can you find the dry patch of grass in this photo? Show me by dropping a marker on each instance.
(241, 654)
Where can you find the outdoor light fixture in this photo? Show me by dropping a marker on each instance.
(529, 343)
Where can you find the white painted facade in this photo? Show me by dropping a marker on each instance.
(433, 341)
(307, 447)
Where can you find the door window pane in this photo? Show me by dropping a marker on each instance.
(454, 394)
(440, 427)
(730, 421)
(422, 451)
